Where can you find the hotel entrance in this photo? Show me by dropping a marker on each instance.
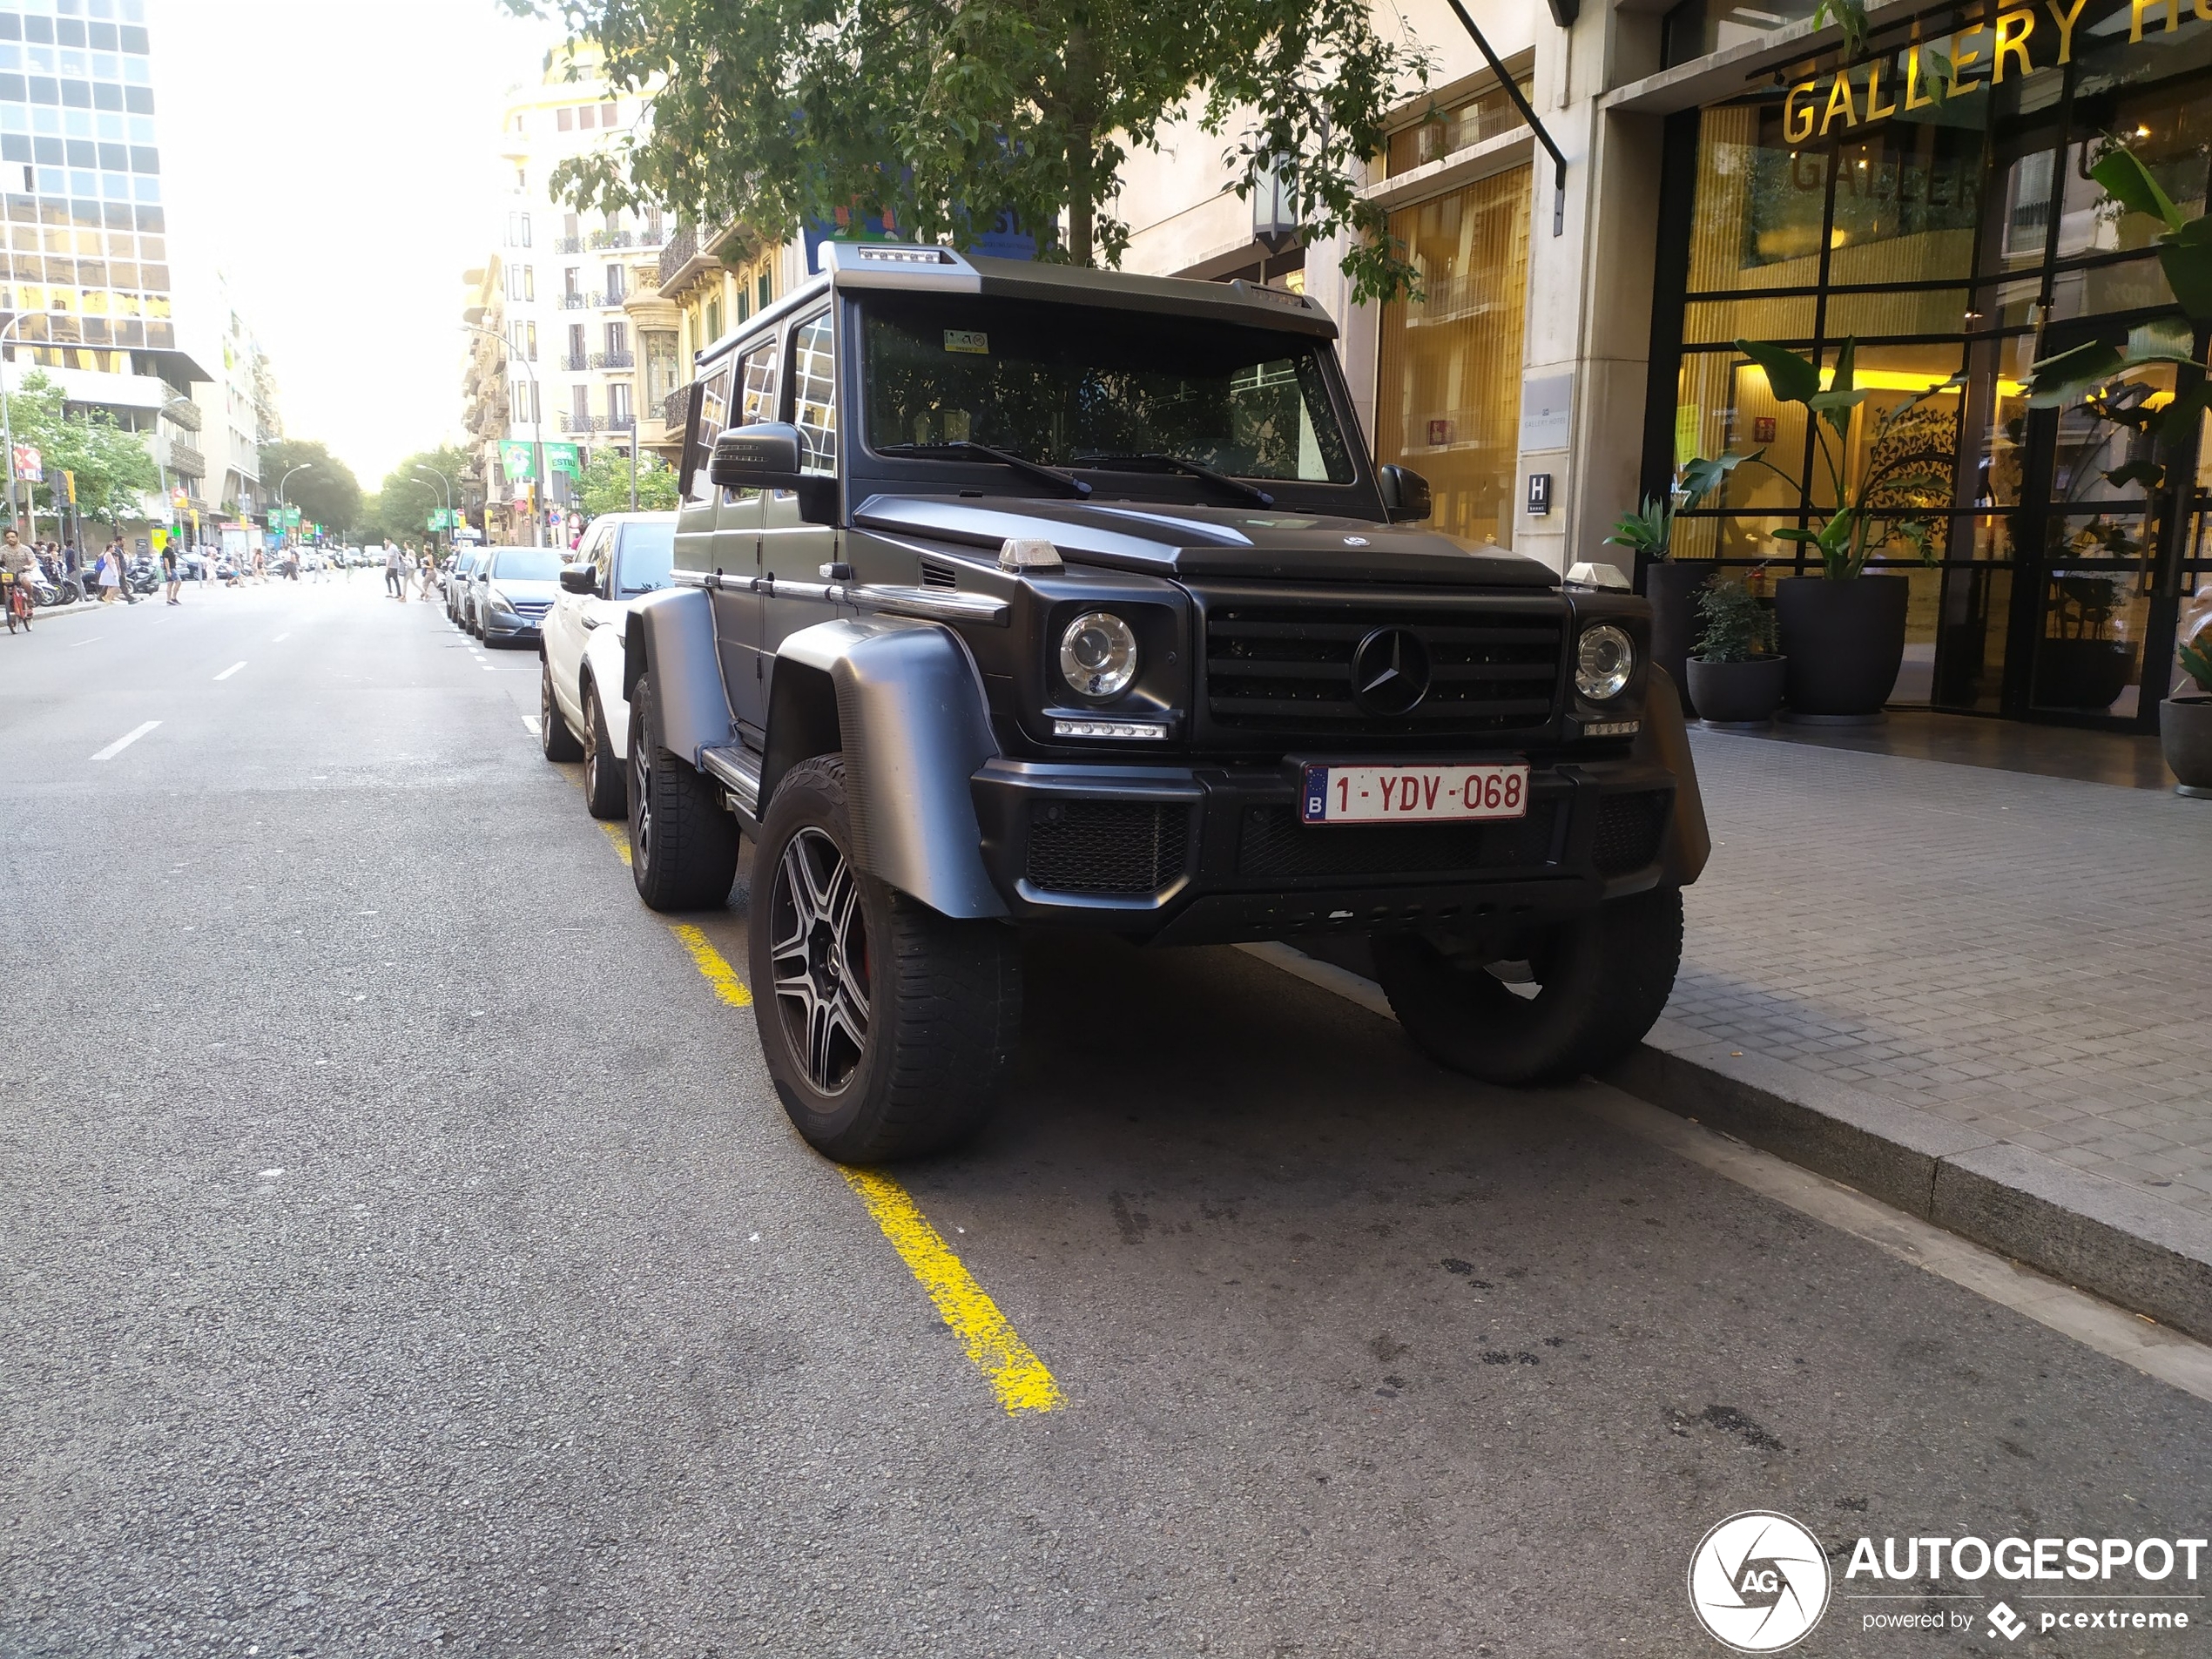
(1955, 242)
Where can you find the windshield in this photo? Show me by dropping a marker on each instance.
(648, 555)
(527, 564)
(1075, 386)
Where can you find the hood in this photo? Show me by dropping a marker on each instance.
(1171, 540)
(514, 588)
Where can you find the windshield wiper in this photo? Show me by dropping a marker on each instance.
(1192, 470)
(1053, 476)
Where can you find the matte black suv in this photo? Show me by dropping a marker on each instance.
(1012, 595)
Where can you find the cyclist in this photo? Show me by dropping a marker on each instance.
(16, 562)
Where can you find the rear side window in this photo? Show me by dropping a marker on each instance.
(714, 415)
(648, 555)
(813, 385)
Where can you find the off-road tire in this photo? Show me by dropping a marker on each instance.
(553, 734)
(683, 845)
(944, 997)
(606, 781)
(1603, 978)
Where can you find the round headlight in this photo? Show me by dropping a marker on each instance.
(1098, 654)
(1603, 661)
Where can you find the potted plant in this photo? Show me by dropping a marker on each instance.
(1671, 587)
(1736, 679)
(1843, 631)
(2185, 723)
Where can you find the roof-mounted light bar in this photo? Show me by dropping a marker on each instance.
(896, 264)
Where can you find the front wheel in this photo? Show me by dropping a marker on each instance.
(606, 791)
(683, 845)
(553, 734)
(1599, 980)
(887, 1027)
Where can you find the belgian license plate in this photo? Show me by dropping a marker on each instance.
(1413, 794)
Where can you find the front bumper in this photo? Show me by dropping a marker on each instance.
(511, 628)
(1213, 854)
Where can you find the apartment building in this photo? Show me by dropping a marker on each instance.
(587, 345)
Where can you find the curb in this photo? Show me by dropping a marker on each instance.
(2150, 1257)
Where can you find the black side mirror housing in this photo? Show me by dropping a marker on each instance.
(766, 456)
(580, 578)
(1405, 494)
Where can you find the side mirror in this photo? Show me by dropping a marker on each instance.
(1405, 494)
(580, 578)
(766, 456)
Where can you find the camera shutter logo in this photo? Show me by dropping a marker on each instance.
(1759, 1582)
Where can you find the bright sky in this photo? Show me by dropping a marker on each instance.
(337, 156)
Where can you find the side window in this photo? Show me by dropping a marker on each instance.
(714, 415)
(602, 555)
(758, 385)
(814, 384)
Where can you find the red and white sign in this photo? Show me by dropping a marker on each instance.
(29, 464)
(1413, 794)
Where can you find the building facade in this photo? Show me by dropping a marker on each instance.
(1732, 174)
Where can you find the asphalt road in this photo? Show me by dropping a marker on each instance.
(400, 1252)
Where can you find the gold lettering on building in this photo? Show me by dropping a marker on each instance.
(2066, 21)
(2013, 30)
(1839, 97)
(2135, 10)
(1913, 98)
(1876, 110)
(1960, 58)
(1796, 122)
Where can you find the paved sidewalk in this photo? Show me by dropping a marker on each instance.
(2027, 957)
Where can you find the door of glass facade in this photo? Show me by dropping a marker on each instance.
(1955, 243)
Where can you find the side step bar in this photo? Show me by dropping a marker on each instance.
(738, 770)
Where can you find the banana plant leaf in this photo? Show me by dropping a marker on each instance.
(2128, 182)
(1794, 379)
(2185, 254)
(2055, 382)
(2166, 340)
(1702, 476)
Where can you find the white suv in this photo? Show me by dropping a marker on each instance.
(582, 711)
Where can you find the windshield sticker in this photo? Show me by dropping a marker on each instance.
(968, 340)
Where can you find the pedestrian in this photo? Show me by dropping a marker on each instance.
(111, 574)
(396, 570)
(429, 573)
(170, 575)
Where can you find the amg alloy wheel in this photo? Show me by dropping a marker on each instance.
(817, 941)
(886, 1027)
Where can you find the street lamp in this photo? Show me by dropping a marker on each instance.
(537, 432)
(304, 466)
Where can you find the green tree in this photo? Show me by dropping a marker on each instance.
(401, 507)
(326, 493)
(782, 112)
(606, 484)
(113, 467)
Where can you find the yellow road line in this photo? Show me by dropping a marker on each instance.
(1019, 1376)
(719, 974)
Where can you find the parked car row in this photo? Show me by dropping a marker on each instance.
(502, 594)
(582, 714)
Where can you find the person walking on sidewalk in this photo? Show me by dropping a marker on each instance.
(429, 573)
(173, 579)
(111, 574)
(396, 570)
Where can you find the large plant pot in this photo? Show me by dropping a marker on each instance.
(2185, 733)
(1738, 694)
(1673, 588)
(1845, 642)
(2087, 674)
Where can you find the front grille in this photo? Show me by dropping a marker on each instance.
(1107, 845)
(531, 607)
(1275, 844)
(1628, 828)
(1289, 668)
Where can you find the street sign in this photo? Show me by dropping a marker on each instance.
(30, 466)
(563, 457)
(516, 462)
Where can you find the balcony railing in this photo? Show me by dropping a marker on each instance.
(611, 300)
(576, 361)
(613, 360)
(612, 238)
(186, 460)
(676, 407)
(182, 412)
(677, 252)
(578, 301)
(568, 245)
(584, 423)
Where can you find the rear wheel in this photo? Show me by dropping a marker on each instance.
(1600, 981)
(887, 1027)
(606, 789)
(683, 845)
(553, 734)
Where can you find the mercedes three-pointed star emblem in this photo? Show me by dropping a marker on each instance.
(1390, 671)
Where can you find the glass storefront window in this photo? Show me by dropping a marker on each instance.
(1447, 386)
(1907, 203)
(1761, 203)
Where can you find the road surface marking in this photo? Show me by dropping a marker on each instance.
(620, 838)
(709, 960)
(125, 741)
(74, 644)
(1017, 1375)
(2152, 1349)
(531, 725)
(232, 669)
(279, 639)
